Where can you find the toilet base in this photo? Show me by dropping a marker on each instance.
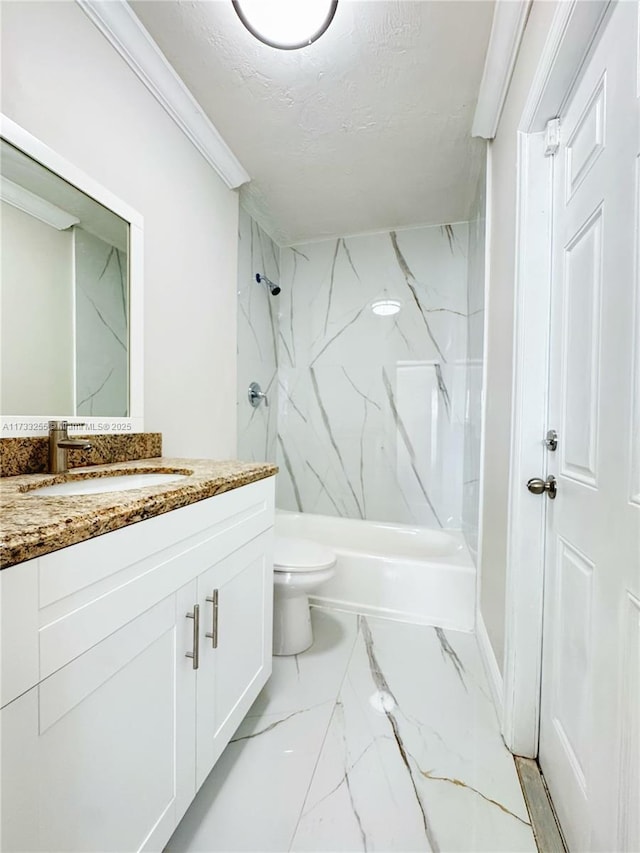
(292, 632)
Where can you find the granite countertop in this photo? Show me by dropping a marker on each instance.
(33, 525)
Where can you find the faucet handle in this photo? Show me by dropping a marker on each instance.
(64, 425)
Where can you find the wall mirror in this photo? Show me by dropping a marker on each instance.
(70, 294)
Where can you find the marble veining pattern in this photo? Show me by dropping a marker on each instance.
(371, 408)
(33, 525)
(102, 327)
(370, 417)
(382, 736)
(259, 341)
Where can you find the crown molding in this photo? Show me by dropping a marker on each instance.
(123, 29)
(507, 29)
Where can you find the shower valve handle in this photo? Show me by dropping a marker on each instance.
(256, 395)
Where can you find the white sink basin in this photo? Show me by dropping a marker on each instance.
(117, 483)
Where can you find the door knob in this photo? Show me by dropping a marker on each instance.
(537, 486)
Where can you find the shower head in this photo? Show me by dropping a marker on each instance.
(274, 288)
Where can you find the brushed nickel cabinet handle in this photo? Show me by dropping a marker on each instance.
(213, 636)
(195, 654)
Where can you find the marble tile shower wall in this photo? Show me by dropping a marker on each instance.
(371, 408)
(257, 341)
(475, 363)
(102, 360)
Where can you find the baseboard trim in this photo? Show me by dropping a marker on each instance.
(491, 667)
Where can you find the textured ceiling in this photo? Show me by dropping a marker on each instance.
(364, 130)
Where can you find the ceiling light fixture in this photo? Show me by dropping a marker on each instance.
(386, 307)
(286, 24)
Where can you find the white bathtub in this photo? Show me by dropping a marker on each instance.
(412, 574)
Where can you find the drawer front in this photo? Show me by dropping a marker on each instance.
(71, 570)
(193, 538)
(19, 667)
(58, 606)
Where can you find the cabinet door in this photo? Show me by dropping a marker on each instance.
(100, 755)
(232, 674)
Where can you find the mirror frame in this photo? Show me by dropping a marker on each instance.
(12, 426)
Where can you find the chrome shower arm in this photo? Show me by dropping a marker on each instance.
(262, 279)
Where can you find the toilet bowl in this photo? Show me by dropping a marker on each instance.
(299, 566)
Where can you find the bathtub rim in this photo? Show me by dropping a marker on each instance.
(323, 603)
(444, 584)
(458, 557)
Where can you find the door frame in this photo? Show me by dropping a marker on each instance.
(574, 31)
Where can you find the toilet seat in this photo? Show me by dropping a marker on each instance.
(301, 555)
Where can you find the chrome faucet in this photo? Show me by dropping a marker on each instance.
(60, 444)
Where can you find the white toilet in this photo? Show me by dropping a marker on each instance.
(299, 566)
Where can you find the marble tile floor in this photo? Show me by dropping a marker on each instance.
(381, 737)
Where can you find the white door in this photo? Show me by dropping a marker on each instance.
(589, 723)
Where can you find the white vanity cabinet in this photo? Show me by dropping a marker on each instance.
(235, 652)
(107, 747)
(97, 756)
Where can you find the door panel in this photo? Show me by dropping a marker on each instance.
(592, 561)
(572, 676)
(587, 140)
(581, 351)
(232, 674)
(634, 490)
(121, 704)
(241, 646)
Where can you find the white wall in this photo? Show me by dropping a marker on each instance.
(475, 368)
(63, 82)
(257, 340)
(36, 353)
(499, 352)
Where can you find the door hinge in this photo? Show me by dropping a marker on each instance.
(552, 137)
